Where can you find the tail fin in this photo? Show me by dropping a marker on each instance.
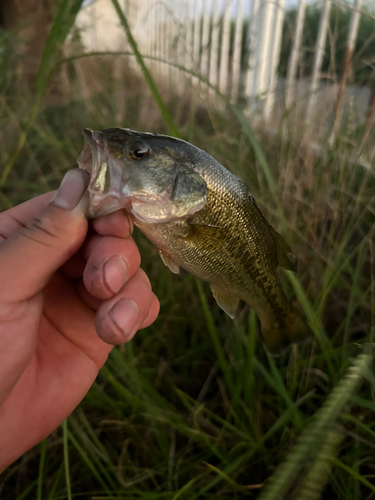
(279, 337)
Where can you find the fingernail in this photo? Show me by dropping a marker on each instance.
(115, 273)
(71, 189)
(125, 314)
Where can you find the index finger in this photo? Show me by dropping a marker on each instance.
(119, 224)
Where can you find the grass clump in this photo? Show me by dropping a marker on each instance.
(194, 407)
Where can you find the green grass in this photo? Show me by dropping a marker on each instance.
(194, 407)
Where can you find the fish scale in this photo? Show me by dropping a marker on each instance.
(201, 218)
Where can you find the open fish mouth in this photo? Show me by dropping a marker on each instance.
(106, 175)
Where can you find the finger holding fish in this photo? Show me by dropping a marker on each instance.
(119, 318)
(110, 263)
(119, 223)
(137, 290)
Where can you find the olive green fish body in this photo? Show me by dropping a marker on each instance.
(208, 224)
(230, 245)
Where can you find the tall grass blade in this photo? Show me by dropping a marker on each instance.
(277, 383)
(246, 128)
(172, 129)
(354, 473)
(66, 458)
(26, 492)
(311, 439)
(64, 20)
(317, 477)
(214, 334)
(39, 494)
(88, 462)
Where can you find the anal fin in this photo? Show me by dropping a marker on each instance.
(226, 300)
(169, 262)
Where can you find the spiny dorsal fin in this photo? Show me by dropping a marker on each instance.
(283, 250)
(226, 300)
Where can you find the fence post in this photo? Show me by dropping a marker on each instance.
(318, 58)
(197, 37)
(252, 62)
(275, 58)
(205, 37)
(181, 44)
(352, 37)
(261, 77)
(224, 55)
(214, 56)
(165, 45)
(295, 54)
(189, 39)
(236, 64)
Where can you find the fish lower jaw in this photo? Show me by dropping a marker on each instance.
(105, 204)
(151, 213)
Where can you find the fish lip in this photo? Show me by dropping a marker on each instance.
(94, 156)
(93, 144)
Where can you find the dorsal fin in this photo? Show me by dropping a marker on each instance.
(283, 251)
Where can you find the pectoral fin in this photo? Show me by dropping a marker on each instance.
(226, 300)
(283, 251)
(169, 263)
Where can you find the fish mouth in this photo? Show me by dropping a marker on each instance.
(106, 175)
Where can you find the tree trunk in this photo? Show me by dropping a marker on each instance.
(31, 20)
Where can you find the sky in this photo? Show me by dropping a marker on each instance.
(289, 3)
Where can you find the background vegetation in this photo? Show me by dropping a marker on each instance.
(333, 62)
(193, 407)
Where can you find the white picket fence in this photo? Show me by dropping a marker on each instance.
(195, 35)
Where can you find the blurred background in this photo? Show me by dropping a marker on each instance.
(282, 93)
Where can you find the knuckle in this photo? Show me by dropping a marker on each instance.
(43, 230)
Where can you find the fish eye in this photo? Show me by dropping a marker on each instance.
(138, 150)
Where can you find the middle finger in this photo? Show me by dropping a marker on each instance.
(111, 262)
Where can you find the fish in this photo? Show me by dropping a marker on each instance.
(200, 217)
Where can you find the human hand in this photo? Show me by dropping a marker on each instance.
(59, 282)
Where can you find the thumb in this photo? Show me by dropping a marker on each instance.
(31, 255)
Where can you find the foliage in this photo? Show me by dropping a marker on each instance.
(334, 56)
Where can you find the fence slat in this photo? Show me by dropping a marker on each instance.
(295, 54)
(236, 66)
(253, 41)
(279, 9)
(224, 53)
(261, 80)
(205, 38)
(189, 38)
(214, 55)
(197, 35)
(318, 59)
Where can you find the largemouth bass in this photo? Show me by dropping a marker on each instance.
(200, 217)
